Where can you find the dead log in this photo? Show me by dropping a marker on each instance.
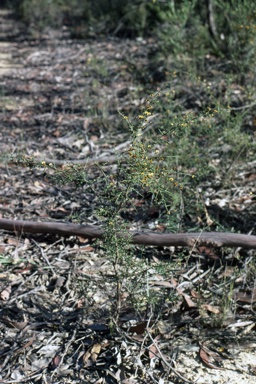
(218, 239)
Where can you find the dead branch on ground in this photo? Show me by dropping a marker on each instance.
(218, 239)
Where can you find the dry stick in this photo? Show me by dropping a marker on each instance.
(166, 362)
(218, 239)
(211, 20)
(88, 160)
(103, 159)
(243, 107)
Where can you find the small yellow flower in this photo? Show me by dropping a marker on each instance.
(141, 117)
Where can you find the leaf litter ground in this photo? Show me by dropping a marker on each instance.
(59, 100)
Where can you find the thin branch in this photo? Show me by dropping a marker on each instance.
(242, 107)
(166, 362)
(211, 20)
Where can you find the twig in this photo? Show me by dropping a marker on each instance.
(211, 21)
(65, 351)
(44, 257)
(103, 159)
(37, 289)
(166, 362)
(243, 107)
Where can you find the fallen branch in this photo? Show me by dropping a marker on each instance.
(103, 159)
(218, 239)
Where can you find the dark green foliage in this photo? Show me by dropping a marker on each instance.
(183, 27)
